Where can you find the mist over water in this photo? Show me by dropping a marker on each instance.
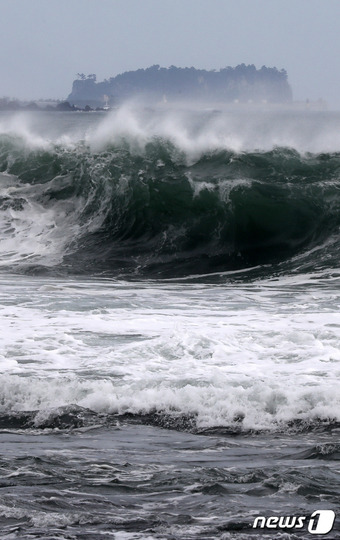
(191, 128)
(198, 131)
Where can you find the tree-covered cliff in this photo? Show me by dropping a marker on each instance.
(173, 84)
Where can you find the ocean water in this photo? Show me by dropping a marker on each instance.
(170, 323)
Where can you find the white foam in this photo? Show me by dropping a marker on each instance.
(268, 352)
(34, 233)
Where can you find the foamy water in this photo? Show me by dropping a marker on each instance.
(263, 354)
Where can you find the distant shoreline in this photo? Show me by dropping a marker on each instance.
(65, 106)
(62, 106)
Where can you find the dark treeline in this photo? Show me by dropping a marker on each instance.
(7, 104)
(242, 83)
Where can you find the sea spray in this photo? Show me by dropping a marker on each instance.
(164, 195)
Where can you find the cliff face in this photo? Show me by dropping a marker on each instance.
(242, 83)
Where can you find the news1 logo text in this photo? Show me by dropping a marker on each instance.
(320, 522)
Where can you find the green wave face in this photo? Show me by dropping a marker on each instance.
(153, 212)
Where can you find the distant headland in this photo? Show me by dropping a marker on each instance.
(240, 86)
(157, 84)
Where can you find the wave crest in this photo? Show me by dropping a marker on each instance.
(143, 201)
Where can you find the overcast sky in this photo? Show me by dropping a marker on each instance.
(45, 43)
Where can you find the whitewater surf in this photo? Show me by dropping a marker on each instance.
(170, 322)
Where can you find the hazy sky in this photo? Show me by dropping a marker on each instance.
(45, 43)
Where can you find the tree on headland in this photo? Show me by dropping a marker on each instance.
(83, 77)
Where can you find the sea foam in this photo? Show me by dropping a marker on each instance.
(225, 356)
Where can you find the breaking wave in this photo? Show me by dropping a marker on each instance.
(129, 198)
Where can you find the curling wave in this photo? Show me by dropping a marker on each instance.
(156, 209)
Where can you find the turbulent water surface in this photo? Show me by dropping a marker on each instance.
(169, 302)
